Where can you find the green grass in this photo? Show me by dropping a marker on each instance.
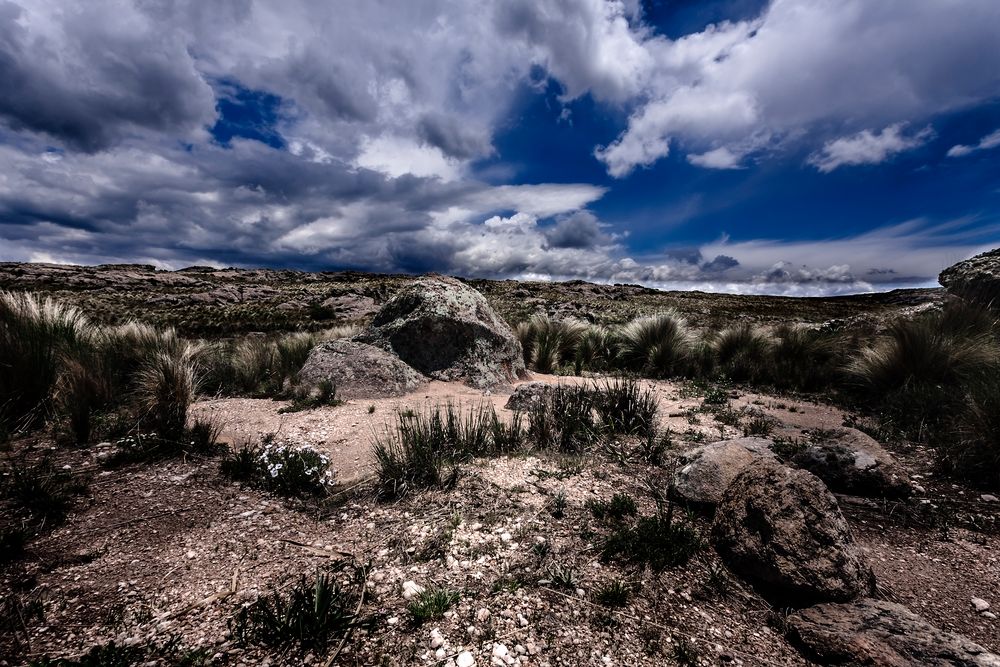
(613, 594)
(659, 541)
(431, 604)
(618, 508)
(657, 345)
(311, 615)
(624, 407)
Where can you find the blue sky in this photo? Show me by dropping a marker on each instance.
(793, 146)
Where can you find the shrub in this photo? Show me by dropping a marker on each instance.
(659, 345)
(280, 467)
(549, 343)
(564, 420)
(658, 541)
(562, 576)
(431, 603)
(744, 353)
(36, 336)
(166, 386)
(311, 616)
(624, 407)
(971, 447)
(322, 395)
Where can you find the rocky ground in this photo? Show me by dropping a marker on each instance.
(171, 549)
(201, 301)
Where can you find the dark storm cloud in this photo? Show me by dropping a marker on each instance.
(578, 230)
(452, 136)
(96, 84)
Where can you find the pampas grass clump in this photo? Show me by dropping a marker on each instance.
(658, 345)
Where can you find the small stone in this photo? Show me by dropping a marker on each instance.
(191, 555)
(987, 614)
(411, 589)
(437, 641)
(980, 605)
(465, 659)
(483, 615)
(989, 498)
(440, 654)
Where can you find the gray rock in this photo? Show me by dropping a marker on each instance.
(704, 473)
(782, 530)
(851, 462)
(879, 633)
(350, 306)
(976, 279)
(528, 395)
(448, 331)
(358, 370)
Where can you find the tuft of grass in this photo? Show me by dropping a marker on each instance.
(744, 353)
(562, 576)
(36, 336)
(618, 508)
(594, 349)
(758, 425)
(658, 541)
(430, 604)
(548, 344)
(40, 491)
(658, 345)
(613, 594)
(559, 502)
(310, 616)
(803, 359)
(624, 407)
(280, 467)
(166, 387)
(421, 450)
(564, 420)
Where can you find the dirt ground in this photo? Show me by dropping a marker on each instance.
(171, 549)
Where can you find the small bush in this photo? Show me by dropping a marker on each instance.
(658, 345)
(759, 426)
(310, 616)
(594, 349)
(624, 407)
(658, 541)
(430, 604)
(282, 468)
(744, 354)
(803, 359)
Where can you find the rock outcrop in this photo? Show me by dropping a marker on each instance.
(976, 279)
(349, 306)
(705, 472)
(851, 462)
(447, 331)
(359, 370)
(879, 633)
(782, 530)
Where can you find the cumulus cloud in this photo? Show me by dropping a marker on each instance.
(806, 65)
(991, 140)
(867, 147)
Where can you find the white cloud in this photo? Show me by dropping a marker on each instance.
(991, 140)
(719, 158)
(807, 66)
(867, 147)
(398, 156)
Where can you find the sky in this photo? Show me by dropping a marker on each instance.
(799, 147)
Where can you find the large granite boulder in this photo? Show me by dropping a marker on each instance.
(976, 279)
(882, 634)
(447, 330)
(704, 473)
(782, 530)
(851, 462)
(358, 370)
